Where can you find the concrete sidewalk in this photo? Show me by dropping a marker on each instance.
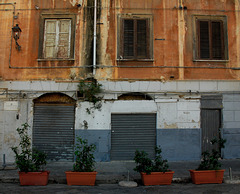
(115, 171)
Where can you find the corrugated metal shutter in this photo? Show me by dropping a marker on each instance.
(131, 132)
(53, 130)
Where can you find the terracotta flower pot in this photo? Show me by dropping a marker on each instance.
(206, 176)
(157, 178)
(33, 178)
(81, 178)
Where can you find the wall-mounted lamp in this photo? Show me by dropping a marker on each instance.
(16, 35)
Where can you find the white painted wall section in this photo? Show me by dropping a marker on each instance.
(178, 113)
(134, 107)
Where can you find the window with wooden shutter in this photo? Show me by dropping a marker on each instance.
(135, 40)
(211, 38)
(57, 38)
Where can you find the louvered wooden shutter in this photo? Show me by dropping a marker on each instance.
(50, 38)
(135, 39)
(128, 40)
(211, 40)
(142, 39)
(64, 39)
(204, 40)
(217, 43)
(57, 38)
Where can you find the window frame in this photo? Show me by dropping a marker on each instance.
(149, 37)
(43, 18)
(196, 40)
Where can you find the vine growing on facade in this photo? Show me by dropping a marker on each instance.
(90, 90)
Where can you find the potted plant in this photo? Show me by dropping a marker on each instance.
(83, 169)
(29, 161)
(209, 170)
(153, 172)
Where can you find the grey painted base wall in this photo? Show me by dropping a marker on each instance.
(232, 146)
(180, 144)
(176, 144)
(102, 140)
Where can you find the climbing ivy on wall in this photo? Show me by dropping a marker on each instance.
(90, 89)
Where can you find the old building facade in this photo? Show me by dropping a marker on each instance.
(169, 72)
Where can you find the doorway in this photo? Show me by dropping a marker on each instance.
(53, 126)
(211, 120)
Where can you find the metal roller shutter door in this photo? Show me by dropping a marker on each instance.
(131, 132)
(53, 131)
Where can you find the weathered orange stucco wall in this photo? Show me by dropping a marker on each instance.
(218, 8)
(24, 64)
(173, 55)
(172, 40)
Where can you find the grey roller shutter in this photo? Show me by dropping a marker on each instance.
(131, 132)
(53, 130)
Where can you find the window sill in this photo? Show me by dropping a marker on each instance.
(42, 60)
(140, 60)
(220, 61)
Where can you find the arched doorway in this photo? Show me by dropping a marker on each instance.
(53, 126)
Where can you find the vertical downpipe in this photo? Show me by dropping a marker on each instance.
(237, 6)
(4, 161)
(95, 37)
(181, 37)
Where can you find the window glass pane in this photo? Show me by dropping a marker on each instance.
(216, 40)
(141, 38)
(128, 40)
(204, 39)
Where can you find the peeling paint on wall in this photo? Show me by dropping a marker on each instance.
(75, 2)
(170, 126)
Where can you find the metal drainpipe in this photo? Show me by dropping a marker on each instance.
(4, 162)
(95, 37)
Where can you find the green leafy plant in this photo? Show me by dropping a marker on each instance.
(27, 159)
(210, 160)
(85, 160)
(145, 164)
(90, 90)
